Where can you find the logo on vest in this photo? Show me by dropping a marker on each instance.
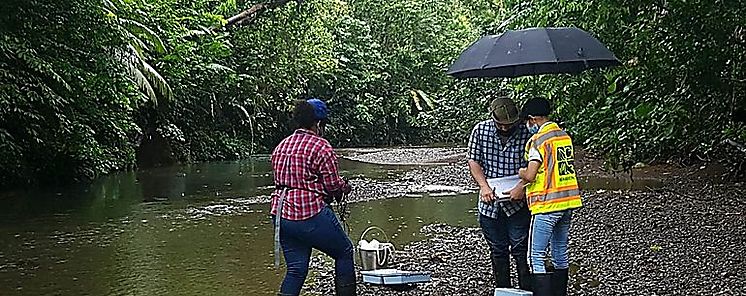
(565, 163)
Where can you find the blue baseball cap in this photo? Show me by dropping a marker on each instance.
(319, 108)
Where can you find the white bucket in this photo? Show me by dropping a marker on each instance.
(374, 254)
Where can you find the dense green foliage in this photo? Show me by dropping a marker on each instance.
(679, 91)
(87, 87)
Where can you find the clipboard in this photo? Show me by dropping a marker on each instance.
(500, 185)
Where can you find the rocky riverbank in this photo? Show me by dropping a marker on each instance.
(687, 237)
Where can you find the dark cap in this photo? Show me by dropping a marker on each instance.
(536, 107)
(504, 110)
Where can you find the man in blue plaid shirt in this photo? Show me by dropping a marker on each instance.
(496, 149)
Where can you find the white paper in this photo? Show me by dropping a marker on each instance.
(500, 185)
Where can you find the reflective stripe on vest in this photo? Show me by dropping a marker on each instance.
(555, 187)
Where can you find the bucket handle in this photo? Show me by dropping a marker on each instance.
(374, 228)
(387, 245)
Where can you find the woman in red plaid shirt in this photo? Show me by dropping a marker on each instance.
(306, 180)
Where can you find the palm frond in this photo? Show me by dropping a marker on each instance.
(159, 82)
(251, 123)
(142, 82)
(416, 100)
(109, 4)
(144, 75)
(430, 102)
(151, 36)
(419, 96)
(136, 42)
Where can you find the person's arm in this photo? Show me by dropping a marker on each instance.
(535, 160)
(486, 194)
(474, 156)
(519, 191)
(329, 176)
(528, 174)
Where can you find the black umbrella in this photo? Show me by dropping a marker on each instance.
(532, 52)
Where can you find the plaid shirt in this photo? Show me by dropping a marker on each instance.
(498, 160)
(306, 165)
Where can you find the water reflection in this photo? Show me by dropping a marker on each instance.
(403, 218)
(159, 250)
(181, 230)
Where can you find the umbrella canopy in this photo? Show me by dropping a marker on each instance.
(532, 52)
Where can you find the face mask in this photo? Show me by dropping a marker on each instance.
(532, 128)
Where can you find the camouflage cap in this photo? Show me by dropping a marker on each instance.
(504, 111)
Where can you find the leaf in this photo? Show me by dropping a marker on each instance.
(114, 6)
(144, 75)
(612, 88)
(416, 100)
(156, 78)
(136, 43)
(227, 7)
(30, 57)
(643, 110)
(151, 36)
(141, 81)
(427, 99)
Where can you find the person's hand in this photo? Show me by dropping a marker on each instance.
(347, 188)
(486, 194)
(522, 173)
(517, 193)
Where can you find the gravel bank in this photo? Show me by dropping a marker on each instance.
(622, 243)
(687, 238)
(403, 156)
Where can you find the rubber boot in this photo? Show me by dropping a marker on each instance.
(559, 282)
(524, 276)
(542, 284)
(348, 288)
(501, 272)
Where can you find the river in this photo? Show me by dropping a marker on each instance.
(197, 229)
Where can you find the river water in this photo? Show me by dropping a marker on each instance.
(181, 230)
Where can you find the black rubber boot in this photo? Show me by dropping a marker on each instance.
(524, 276)
(342, 288)
(501, 272)
(559, 282)
(542, 284)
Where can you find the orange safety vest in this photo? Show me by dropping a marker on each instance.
(556, 185)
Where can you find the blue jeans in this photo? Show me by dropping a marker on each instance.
(507, 235)
(322, 232)
(550, 229)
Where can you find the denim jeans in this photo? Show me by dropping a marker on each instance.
(507, 235)
(550, 229)
(322, 232)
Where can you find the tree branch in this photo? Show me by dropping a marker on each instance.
(253, 12)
